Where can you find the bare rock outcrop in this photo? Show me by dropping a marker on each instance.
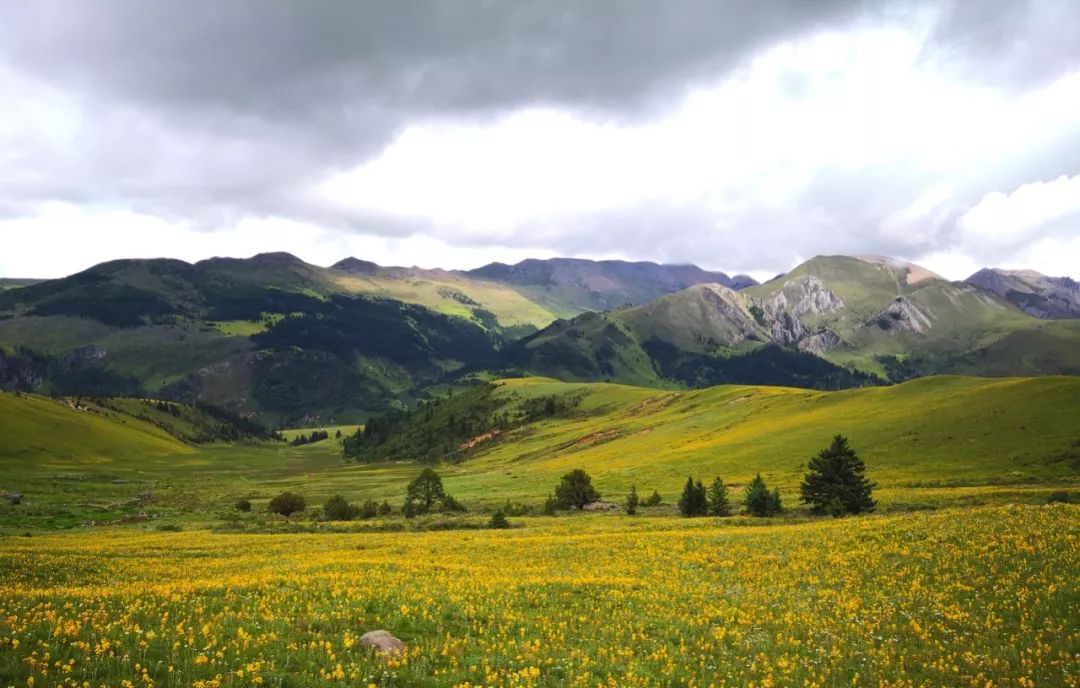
(821, 342)
(901, 316)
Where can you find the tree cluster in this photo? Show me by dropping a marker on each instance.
(315, 436)
(697, 501)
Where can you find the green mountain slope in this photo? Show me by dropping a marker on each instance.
(932, 432)
(48, 433)
(269, 335)
(832, 322)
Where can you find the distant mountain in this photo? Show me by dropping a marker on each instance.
(854, 316)
(269, 335)
(278, 337)
(570, 286)
(1033, 292)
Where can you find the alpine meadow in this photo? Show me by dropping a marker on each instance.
(540, 344)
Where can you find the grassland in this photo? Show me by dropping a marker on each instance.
(929, 443)
(976, 597)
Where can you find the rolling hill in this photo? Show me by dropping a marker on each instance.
(936, 440)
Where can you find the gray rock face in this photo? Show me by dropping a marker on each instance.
(810, 295)
(901, 316)
(383, 642)
(821, 342)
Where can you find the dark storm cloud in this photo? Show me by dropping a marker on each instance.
(209, 109)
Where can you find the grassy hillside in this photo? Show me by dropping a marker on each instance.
(43, 435)
(931, 441)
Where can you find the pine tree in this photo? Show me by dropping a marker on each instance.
(718, 499)
(632, 501)
(759, 500)
(693, 501)
(835, 484)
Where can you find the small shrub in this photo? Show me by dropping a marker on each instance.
(551, 505)
(450, 505)
(498, 520)
(654, 499)
(169, 528)
(243, 505)
(385, 509)
(1059, 497)
(369, 509)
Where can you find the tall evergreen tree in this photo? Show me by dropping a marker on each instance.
(632, 501)
(693, 501)
(718, 498)
(835, 484)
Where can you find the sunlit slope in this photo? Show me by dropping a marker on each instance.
(42, 434)
(934, 431)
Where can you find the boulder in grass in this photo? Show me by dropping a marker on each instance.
(601, 506)
(383, 642)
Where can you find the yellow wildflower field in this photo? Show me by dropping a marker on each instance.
(978, 597)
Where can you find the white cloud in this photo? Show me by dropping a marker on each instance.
(1014, 217)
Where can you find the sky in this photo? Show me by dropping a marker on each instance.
(739, 136)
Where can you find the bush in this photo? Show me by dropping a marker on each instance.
(632, 501)
(835, 484)
(693, 501)
(449, 505)
(369, 509)
(654, 499)
(551, 505)
(760, 501)
(243, 505)
(286, 504)
(1059, 497)
(498, 520)
(337, 509)
(385, 509)
(575, 490)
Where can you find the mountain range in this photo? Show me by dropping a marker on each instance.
(287, 341)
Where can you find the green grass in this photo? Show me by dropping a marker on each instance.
(930, 442)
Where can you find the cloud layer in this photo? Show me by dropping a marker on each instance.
(744, 136)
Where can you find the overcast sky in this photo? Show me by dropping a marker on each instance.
(741, 136)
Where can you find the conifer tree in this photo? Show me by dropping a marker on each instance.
(718, 498)
(632, 501)
(693, 501)
(759, 500)
(835, 482)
